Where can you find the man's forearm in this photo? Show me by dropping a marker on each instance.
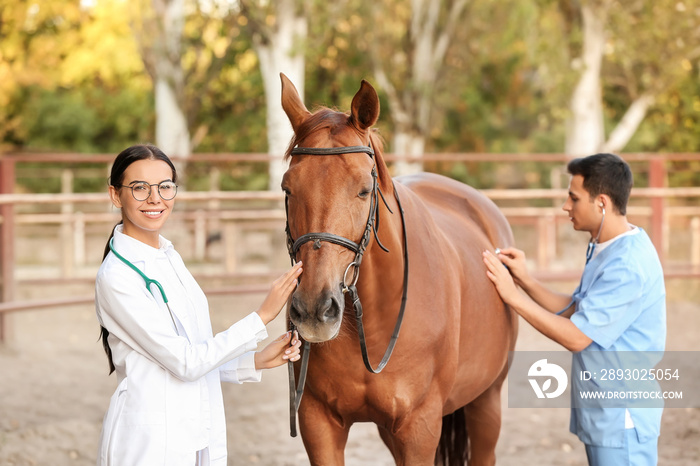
(551, 301)
(557, 328)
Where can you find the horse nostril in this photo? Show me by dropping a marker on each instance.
(294, 313)
(332, 310)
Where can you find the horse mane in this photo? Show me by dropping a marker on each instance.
(324, 117)
(377, 142)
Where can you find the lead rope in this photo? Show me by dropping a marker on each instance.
(297, 391)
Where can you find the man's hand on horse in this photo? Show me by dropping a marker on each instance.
(514, 259)
(499, 274)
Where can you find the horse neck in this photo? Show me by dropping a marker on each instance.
(381, 279)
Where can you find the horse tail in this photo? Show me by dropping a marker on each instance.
(453, 448)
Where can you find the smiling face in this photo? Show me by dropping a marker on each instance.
(585, 212)
(143, 219)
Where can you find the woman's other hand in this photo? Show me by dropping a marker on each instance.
(285, 348)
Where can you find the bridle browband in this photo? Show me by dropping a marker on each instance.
(296, 391)
(372, 220)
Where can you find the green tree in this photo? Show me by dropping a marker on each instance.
(60, 87)
(624, 56)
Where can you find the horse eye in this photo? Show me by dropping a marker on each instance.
(364, 193)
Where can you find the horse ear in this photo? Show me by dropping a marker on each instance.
(291, 103)
(365, 106)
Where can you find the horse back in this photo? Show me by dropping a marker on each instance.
(456, 206)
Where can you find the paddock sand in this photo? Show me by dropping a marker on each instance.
(54, 390)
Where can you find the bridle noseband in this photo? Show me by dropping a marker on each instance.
(348, 288)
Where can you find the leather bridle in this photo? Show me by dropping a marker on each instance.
(349, 288)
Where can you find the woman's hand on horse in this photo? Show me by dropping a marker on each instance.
(514, 259)
(500, 276)
(285, 348)
(279, 294)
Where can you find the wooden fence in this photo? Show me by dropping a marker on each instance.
(666, 212)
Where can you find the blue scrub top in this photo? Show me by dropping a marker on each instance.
(621, 306)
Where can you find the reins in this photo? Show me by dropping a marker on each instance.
(296, 391)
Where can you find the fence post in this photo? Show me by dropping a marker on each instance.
(213, 223)
(231, 236)
(695, 242)
(657, 179)
(66, 235)
(546, 241)
(7, 245)
(200, 234)
(79, 240)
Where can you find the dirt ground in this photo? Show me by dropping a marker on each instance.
(54, 390)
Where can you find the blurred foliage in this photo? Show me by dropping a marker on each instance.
(674, 122)
(249, 176)
(72, 79)
(38, 177)
(87, 119)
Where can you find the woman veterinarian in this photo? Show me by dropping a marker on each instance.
(168, 408)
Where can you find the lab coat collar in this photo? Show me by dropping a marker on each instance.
(136, 251)
(140, 254)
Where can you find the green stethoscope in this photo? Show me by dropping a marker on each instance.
(149, 281)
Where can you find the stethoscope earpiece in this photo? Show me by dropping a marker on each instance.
(592, 243)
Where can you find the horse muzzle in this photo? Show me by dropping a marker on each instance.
(317, 318)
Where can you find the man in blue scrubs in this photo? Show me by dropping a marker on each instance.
(619, 307)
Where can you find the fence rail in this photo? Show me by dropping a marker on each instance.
(232, 213)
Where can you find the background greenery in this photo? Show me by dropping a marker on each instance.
(72, 79)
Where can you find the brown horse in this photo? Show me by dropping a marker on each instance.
(445, 375)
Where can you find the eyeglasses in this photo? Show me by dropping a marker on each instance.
(142, 190)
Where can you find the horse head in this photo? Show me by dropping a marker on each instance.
(331, 189)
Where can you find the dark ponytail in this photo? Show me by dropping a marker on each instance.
(104, 333)
(116, 178)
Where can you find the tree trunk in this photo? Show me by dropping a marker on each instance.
(408, 145)
(279, 51)
(585, 133)
(411, 107)
(172, 132)
(626, 128)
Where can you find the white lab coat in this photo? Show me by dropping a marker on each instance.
(168, 403)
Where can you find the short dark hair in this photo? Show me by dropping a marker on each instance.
(605, 174)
